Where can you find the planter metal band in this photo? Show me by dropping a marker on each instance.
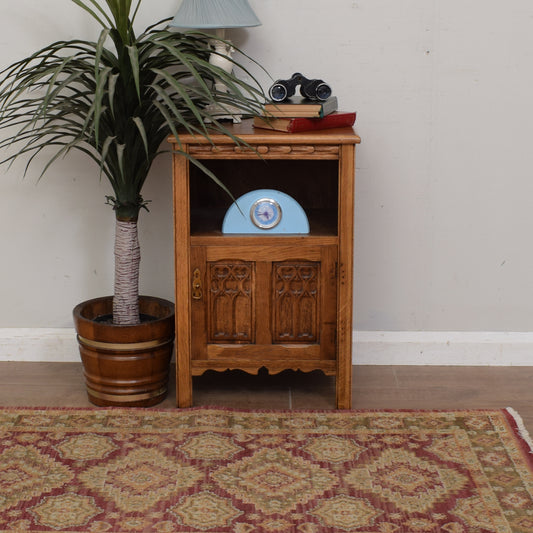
(126, 398)
(126, 347)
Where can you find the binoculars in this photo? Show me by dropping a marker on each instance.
(311, 89)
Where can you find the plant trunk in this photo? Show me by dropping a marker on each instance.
(127, 260)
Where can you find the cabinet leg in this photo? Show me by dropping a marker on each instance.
(343, 386)
(183, 390)
(344, 401)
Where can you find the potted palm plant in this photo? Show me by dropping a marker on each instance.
(116, 100)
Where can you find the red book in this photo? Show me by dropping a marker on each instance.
(337, 119)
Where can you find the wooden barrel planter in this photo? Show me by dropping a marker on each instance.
(125, 365)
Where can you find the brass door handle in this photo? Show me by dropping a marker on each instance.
(196, 285)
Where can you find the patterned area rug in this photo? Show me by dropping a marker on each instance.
(221, 470)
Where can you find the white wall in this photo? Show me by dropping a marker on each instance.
(444, 172)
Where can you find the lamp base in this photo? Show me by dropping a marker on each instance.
(223, 112)
(222, 58)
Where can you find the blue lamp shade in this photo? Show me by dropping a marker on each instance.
(206, 14)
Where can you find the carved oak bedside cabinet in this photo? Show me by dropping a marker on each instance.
(266, 297)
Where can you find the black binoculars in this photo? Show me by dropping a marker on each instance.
(311, 89)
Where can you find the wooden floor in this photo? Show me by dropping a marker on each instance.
(374, 387)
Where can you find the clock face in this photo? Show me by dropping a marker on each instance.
(265, 213)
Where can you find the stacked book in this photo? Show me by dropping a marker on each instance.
(299, 114)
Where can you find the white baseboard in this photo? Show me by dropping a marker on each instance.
(468, 348)
(39, 344)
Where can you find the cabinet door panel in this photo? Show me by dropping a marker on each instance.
(230, 297)
(258, 309)
(296, 302)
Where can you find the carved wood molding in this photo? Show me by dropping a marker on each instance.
(274, 150)
(273, 367)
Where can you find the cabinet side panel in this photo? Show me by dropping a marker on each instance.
(180, 167)
(345, 277)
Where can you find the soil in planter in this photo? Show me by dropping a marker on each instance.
(108, 318)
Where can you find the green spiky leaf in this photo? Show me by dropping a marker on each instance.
(116, 99)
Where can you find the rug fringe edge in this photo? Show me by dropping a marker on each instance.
(522, 431)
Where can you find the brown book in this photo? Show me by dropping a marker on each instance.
(301, 107)
(337, 119)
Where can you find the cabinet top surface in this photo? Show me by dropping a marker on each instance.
(246, 131)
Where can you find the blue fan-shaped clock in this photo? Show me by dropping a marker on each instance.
(265, 211)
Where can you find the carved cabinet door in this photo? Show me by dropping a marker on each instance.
(263, 302)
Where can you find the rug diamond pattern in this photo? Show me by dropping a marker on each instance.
(26, 472)
(139, 480)
(230, 471)
(275, 481)
(412, 484)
